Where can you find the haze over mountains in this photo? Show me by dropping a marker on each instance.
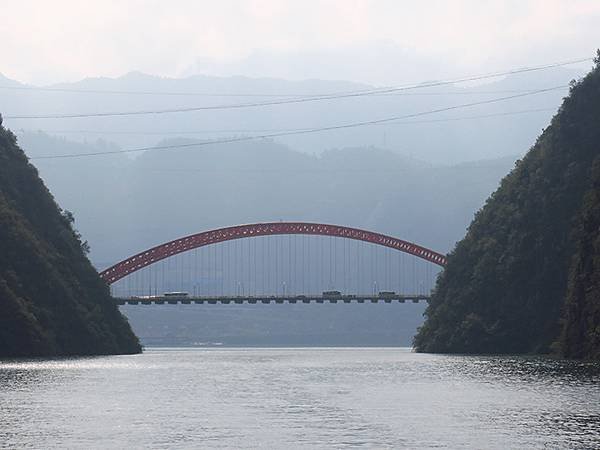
(421, 181)
(123, 206)
(397, 178)
(448, 137)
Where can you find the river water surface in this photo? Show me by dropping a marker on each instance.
(299, 398)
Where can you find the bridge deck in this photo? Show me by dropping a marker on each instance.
(161, 300)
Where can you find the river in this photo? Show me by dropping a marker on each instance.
(299, 398)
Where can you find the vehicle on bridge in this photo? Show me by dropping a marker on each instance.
(176, 294)
(387, 294)
(332, 294)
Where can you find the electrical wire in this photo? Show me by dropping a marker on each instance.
(334, 96)
(272, 130)
(248, 94)
(300, 132)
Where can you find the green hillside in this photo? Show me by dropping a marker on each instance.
(505, 285)
(52, 301)
(581, 333)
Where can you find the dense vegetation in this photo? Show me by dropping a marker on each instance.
(504, 288)
(52, 301)
(581, 333)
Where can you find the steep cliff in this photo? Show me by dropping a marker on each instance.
(505, 284)
(52, 301)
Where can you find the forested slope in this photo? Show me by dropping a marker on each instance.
(52, 301)
(505, 284)
(581, 334)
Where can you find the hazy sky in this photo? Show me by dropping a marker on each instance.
(375, 41)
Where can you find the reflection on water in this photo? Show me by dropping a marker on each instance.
(290, 398)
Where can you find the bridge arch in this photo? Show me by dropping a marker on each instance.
(168, 249)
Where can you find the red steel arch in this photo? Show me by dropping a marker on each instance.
(145, 258)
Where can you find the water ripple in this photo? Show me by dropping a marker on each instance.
(299, 398)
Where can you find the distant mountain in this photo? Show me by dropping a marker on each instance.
(420, 179)
(125, 205)
(531, 247)
(481, 132)
(7, 82)
(52, 301)
(382, 63)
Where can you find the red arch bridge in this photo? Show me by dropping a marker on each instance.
(293, 262)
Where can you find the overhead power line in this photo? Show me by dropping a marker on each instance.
(315, 98)
(275, 130)
(303, 131)
(257, 94)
